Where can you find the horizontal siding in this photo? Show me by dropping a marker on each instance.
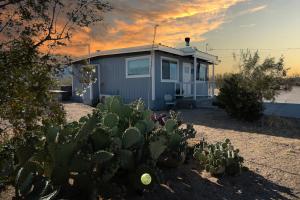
(114, 82)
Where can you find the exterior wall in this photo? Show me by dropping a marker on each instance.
(113, 80)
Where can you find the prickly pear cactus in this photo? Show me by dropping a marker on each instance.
(220, 158)
(170, 125)
(116, 144)
(157, 146)
(130, 137)
(111, 120)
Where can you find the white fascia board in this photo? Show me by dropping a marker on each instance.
(118, 51)
(205, 56)
(170, 50)
(159, 47)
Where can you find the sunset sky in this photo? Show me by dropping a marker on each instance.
(271, 26)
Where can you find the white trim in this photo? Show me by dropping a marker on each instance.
(137, 58)
(153, 75)
(99, 79)
(190, 66)
(166, 80)
(199, 54)
(207, 57)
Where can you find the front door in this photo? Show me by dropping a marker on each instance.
(186, 79)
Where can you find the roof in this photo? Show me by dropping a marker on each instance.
(187, 51)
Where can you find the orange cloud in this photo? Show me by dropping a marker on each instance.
(131, 23)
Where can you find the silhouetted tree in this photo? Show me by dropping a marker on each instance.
(29, 31)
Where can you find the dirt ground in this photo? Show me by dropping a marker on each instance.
(271, 149)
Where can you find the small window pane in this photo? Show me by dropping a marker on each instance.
(169, 70)
(173, 71)
(138, 67)
(202, 72)
(165, 70)
(198, 72)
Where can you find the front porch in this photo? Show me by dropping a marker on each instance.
(188, 97)
(195, 90)
(196, 85)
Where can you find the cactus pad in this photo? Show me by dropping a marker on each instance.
(131, 136)
(100, 138)
(110, 120)
(157, 147)
(170, 125)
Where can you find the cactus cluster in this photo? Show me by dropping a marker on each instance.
(117, 143)
(219, 158)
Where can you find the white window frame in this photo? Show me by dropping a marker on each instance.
(137, 58)
(161, 77)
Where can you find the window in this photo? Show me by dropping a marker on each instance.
(201, 72)
(169, 70)
(138, 67)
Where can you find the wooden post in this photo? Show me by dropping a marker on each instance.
(195, 71)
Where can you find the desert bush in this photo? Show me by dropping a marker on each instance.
(219, 158)
(116, 145)
(238, 100)
(242, 94)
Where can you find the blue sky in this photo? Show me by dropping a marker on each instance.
(272, 30)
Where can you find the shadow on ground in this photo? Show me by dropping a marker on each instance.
(187, 183)
(269, 125)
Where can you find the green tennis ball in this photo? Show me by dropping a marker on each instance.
(146, 179)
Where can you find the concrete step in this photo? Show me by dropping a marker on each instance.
(185, 103)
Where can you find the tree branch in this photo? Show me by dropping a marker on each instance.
(2, 6)
(48, 36)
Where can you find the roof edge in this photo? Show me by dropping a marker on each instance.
(156, 47)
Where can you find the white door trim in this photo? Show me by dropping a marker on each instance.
(184, 64)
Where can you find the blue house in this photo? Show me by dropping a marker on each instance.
(158, 74)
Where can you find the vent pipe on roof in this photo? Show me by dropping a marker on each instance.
(187, 41)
